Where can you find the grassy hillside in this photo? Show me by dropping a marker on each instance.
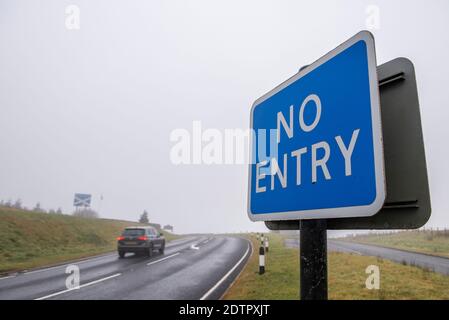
(31, 239)
(434, 242)
(346, 277)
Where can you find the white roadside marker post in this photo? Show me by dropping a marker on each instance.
(266, 244)
(261, 260)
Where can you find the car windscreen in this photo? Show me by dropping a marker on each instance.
(133, 232)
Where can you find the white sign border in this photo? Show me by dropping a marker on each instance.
(340, 212)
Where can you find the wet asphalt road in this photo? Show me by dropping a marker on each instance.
(197, 267)
(436, 264)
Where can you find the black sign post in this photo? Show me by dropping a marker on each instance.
(313, 260)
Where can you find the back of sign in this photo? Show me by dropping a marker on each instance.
(407, 204)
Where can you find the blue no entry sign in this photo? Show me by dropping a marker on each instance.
(317, 140)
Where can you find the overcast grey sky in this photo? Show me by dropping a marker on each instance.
(91, 110)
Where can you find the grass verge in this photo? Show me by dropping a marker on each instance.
(347, 277)
(31, 239)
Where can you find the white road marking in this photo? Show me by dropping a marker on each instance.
(168, 257)
(207, 240)
(62, 266)
(182, 240)
(7, 277)
(81, 286)
(45, 269)
(86, 260)
(208, 293)
(194, 247)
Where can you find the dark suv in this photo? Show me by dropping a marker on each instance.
(140, 240)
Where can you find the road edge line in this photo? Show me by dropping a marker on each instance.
(51, 266)
(211, 290)
(238, 276)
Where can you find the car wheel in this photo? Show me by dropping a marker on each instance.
(150, 251)
(121, 254)
(161, 250)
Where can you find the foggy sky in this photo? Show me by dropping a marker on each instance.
(91, 110)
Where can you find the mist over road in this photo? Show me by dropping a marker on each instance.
(197, 267)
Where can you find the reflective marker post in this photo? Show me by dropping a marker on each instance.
(313, 260)
(261, 260)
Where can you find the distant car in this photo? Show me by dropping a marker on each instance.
(140, 240)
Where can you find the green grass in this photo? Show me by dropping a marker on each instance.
(31, 239)
(346, 275)
(430, 242)
(280, 280)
